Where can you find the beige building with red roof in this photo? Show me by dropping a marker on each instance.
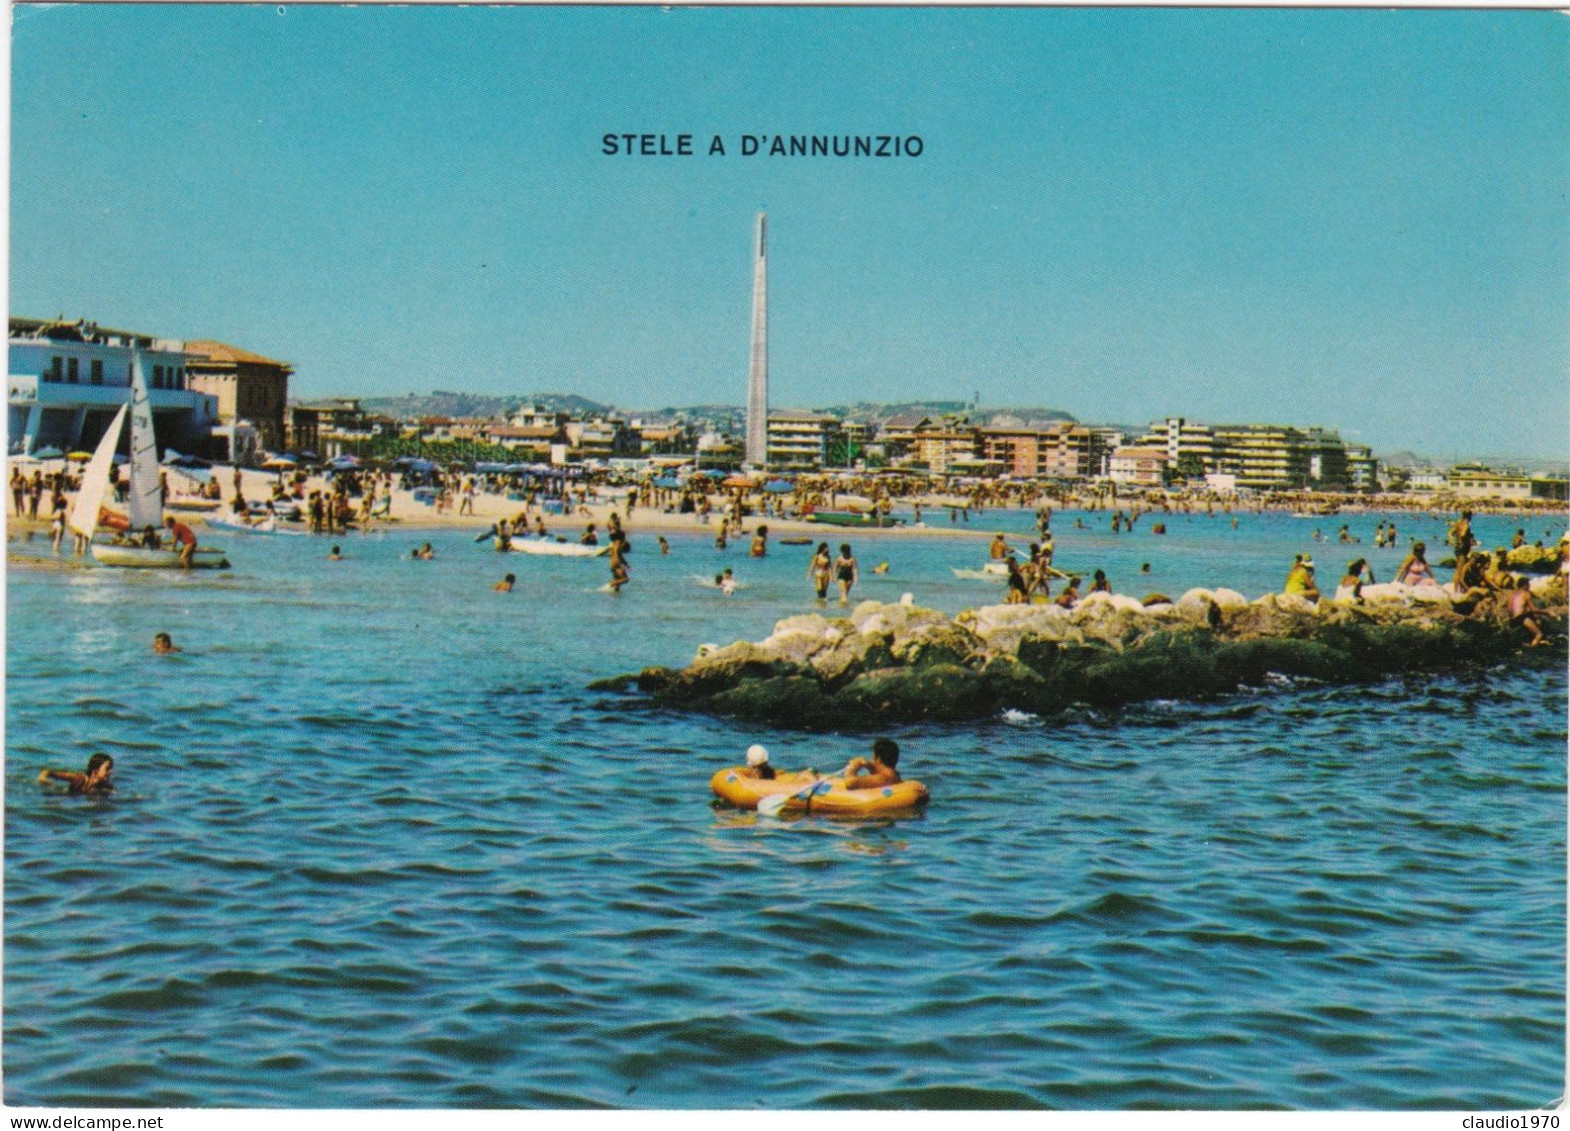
(248, 386)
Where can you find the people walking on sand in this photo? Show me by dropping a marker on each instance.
(18, 492)
(845, 572)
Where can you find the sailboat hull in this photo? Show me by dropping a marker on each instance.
(137, 557)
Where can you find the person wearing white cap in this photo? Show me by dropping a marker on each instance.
(1300, 580)
(758, 762)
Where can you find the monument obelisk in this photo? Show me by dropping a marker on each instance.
(758, 378)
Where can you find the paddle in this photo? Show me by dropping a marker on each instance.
(771, 805)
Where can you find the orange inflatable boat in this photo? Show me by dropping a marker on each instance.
(828, 795)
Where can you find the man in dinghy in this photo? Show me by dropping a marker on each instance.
(879, 771)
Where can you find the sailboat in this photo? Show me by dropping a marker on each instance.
(146, 497)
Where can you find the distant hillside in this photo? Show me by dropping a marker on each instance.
(441, 402)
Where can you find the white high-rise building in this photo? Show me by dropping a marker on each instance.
(758, 378)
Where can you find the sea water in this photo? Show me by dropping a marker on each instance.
(374, 843)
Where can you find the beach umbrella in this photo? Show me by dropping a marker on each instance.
(343, 463)
(279, 463)
(778, 487)
(79, 457)
(48, 453)
(667, 481)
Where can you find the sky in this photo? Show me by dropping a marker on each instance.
(1352, 219)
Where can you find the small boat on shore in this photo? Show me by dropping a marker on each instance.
(266, 526)
(190, 503)
(141, 557)
(854, 518)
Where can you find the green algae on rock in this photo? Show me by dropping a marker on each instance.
(900, 663)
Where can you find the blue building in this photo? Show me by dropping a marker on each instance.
(68, 379)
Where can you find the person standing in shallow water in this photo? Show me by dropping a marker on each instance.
(620, 575)
(845, 572)
(821, 570)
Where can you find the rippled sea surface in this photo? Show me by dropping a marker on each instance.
(375, 844)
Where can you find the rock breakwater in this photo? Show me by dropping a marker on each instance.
(898, 663)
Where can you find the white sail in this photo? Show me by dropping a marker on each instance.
(95, 479)
(146, 499)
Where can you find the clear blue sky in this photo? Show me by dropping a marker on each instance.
(1355, 219)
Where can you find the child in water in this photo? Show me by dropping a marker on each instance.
(95, 780)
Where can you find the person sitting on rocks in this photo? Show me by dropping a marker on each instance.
(1415, 569)
(859, 773)
(1358, 574)
(1522, 608)
(1300, 580)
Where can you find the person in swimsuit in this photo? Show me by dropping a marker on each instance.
(845, 572)
(184, 540)
(95, 780)
(757, 764)
(860, 773)
(505, 584)
(760, 542)
(163, 645)
(1415, 569)
(821, 570)
(1522, 608)
(619, 571)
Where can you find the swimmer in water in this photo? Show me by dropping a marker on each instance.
(95, 780)
(881, 567)
(505, 584)
(336, 555)
(163, 645)
(665, 547)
